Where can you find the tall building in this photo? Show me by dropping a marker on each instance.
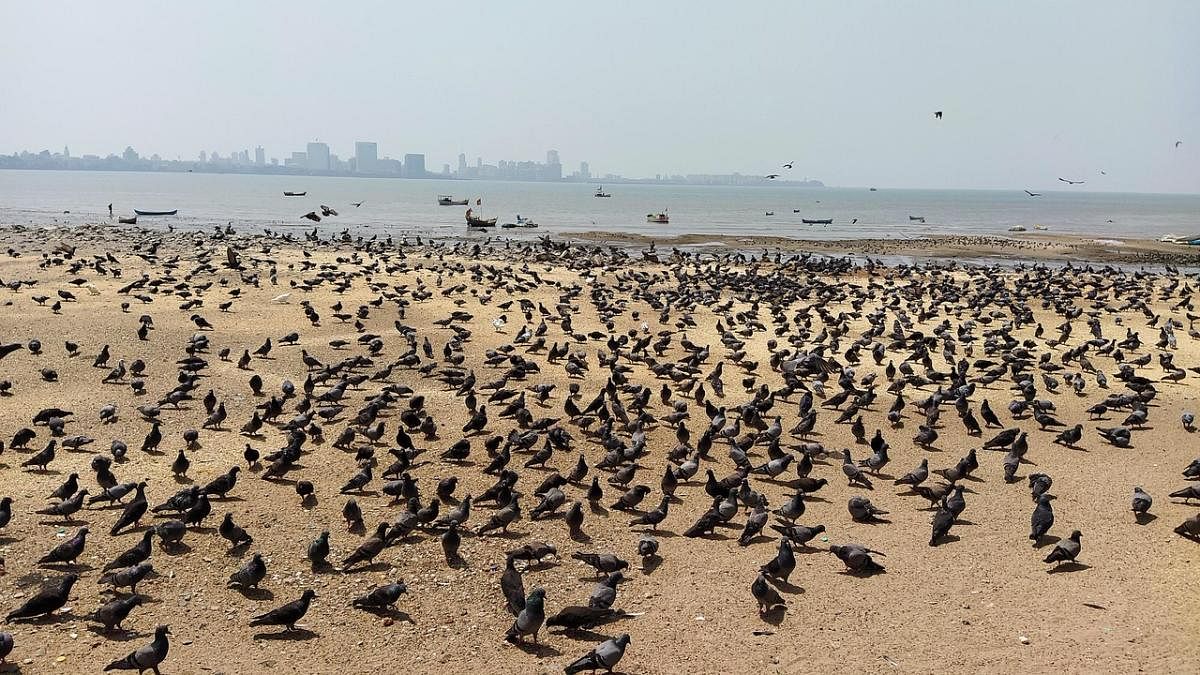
(552, 157)
(317, 157)
(414, 166)
(462, 163)
(366, 155)
(585, 171)
(203, 157)
(260, 156)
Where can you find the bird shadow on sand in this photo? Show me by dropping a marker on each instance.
(176, 549)
(76, 567)
(540, 650)
(255, 593)
(47, 619)
(1047, 540)
(69, 522)
(1068, 567)
(775, 616)
(115, 634)
(393, 614)
(378, 566)
(786, 586)
(1145, 518)
(947, 539)
(288, 635)
(651, 563)
(578, 536)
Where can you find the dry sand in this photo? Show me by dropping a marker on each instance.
(984, 601)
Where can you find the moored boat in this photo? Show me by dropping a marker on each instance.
(127, 220)
(294, 194)
(817, 221)
(449, 200)
(601, 193)
(918, 219)
(156, 213)
(522, 222)
(472, 221)
(657, 217)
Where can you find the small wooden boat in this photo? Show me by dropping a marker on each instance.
(817, 221)
(472, 221)
(770, 213)
(657, 218)
(874, 190)
(127, 220)
(449, 200)
(294, 194)
(918, 219)
(156, 213)
(601, 193)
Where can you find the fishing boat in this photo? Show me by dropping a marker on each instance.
(817, 221)
(522, 222)
(449, 200)
(127, 220)
(918, 219)
(770, 213)
(156, 213)
(874, 190)
(601, 193)
(472, 221)
(294, 194)
(658, 218)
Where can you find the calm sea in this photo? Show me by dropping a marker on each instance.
(403, 207)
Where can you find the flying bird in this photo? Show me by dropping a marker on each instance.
(772, 176)
(1033, 194)
(1072, 182)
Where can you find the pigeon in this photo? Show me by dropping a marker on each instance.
(112, 613)
(52, 596)
(250, 573)
(603, 563)
(288, 614)
(368, 549)
(148, 657)
(605, 656)
(529, 620)
(1141, 501)
(1065, 550)
(857, 558)
(127, 577)
(381, 598)
(765, 594)
(781, 566)
(67, 551)
(1042, 519)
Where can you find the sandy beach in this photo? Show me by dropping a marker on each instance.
(981, 599)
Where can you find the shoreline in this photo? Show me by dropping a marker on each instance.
(976, 249)
(1035, 247)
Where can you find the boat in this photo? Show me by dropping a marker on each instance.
(294, 194)
(1017, 228)
(874, 190)
(472, 221)
(657, 217)
(601, 193)
(156, 213)
(449, 200)
(127, 220)
(522, 222)
(770, 213)
(817, 221)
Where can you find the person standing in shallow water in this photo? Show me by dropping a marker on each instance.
(110, 210)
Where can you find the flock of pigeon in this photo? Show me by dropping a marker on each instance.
(565, 425)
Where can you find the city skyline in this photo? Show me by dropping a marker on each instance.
(317, 158)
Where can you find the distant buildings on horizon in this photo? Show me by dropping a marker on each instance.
(316, 159)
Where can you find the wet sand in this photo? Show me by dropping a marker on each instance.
(982, 600)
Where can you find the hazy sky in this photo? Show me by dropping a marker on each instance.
(1031, 90)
